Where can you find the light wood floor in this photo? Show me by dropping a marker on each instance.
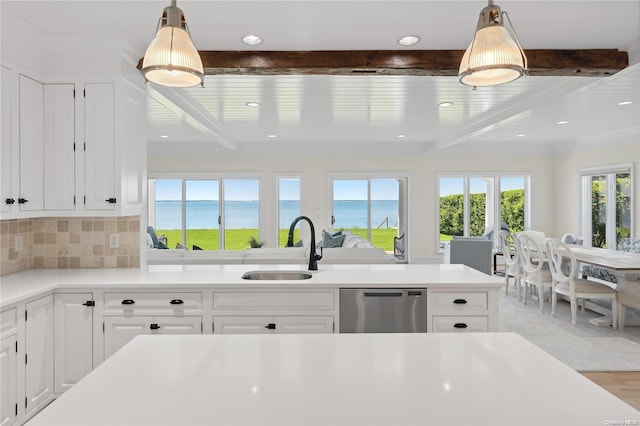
(623, 384)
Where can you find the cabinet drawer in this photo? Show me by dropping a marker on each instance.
(459, 324)
(273, 301)
(153, 301)
(459, 302)
(8, 322)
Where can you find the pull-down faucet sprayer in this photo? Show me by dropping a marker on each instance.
(313, 256)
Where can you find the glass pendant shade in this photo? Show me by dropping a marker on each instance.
(493, 57)
(171, 59)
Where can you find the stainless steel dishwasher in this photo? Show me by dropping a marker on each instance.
(375, 310)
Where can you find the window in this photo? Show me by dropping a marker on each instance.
(288, 207)
(211, 214)
(606, 205)
(472, 205)
(372, 207)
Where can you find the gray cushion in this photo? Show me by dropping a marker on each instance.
(332, 240)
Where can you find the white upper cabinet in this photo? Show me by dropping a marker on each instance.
(31, 119)
(99, 150)
(59, 147)
(7, 195)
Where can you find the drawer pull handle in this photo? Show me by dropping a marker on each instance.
(177, 302)
(460, 325)
(460, 301)
(154, 326)
(128, 302)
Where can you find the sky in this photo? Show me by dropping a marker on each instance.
(248, 189)
(454, 185)
(344, 189)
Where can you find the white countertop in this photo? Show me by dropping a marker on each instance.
(21, 285)
(334, 379)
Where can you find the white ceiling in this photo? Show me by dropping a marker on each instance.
(325, 113)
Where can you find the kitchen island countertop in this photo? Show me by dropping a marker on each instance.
(21, 285)
(335, 379)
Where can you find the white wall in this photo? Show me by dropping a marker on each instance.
(422, 170)
(567, 168)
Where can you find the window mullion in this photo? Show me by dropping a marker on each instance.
(184, 211)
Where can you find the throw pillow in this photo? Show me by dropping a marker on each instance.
(332, 241)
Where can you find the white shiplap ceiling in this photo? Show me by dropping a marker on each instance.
(322, 113)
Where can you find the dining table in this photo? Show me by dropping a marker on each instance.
(626, 268)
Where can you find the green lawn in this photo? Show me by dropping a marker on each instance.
(237, 239)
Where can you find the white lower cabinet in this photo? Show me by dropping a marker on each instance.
(38, 354)
(255, 324)
(461, 311)
(73, 339)
(9, 369)
(119, 330)
(8, 385)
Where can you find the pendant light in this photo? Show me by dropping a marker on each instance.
(494, 56)
(171, 59)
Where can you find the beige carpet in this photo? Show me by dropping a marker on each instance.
(583, 348)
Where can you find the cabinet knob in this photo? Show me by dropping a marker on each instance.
(154, 326)
(89, 303)
(128, 302)
(22, 200)
(460, 301)
(9, 201)
(177, 302)
(111, 200)
(270, 326)
(460, 325)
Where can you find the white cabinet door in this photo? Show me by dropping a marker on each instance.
(303, 324)
(8, 384)
(7, 197)
(243, 325)
(31, 144)
(176, 325)
(99, 123)
(59, 152)
(38, 353)
(73, 339)
(118, 331)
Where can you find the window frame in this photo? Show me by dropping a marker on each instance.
(276, 185)
(404, 209)
(610, 171)
(497, 190)
(220, 177)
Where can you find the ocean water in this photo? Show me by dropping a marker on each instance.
(245, 214)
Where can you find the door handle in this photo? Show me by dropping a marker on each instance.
(9, 201)
(89, 303)
(460, 301)
(22, 200)
(111, 200)
(154, 326)
(460, 325)
(270, 326)
(333, 219)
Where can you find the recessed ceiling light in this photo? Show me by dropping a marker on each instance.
(521, 135)
(164, 136)
(271, 136)
(562, 122)
(409, 40)
(401, 136)
(252, 104)
(625, 103)
(251, 40)
(445, 104)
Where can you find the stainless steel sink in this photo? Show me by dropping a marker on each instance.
(276, 275)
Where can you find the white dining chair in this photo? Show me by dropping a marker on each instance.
(535, 271)
(568, 284)
(512, 265)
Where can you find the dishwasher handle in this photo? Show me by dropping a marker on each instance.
(382, 294)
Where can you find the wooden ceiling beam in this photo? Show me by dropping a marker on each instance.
(542, 62)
